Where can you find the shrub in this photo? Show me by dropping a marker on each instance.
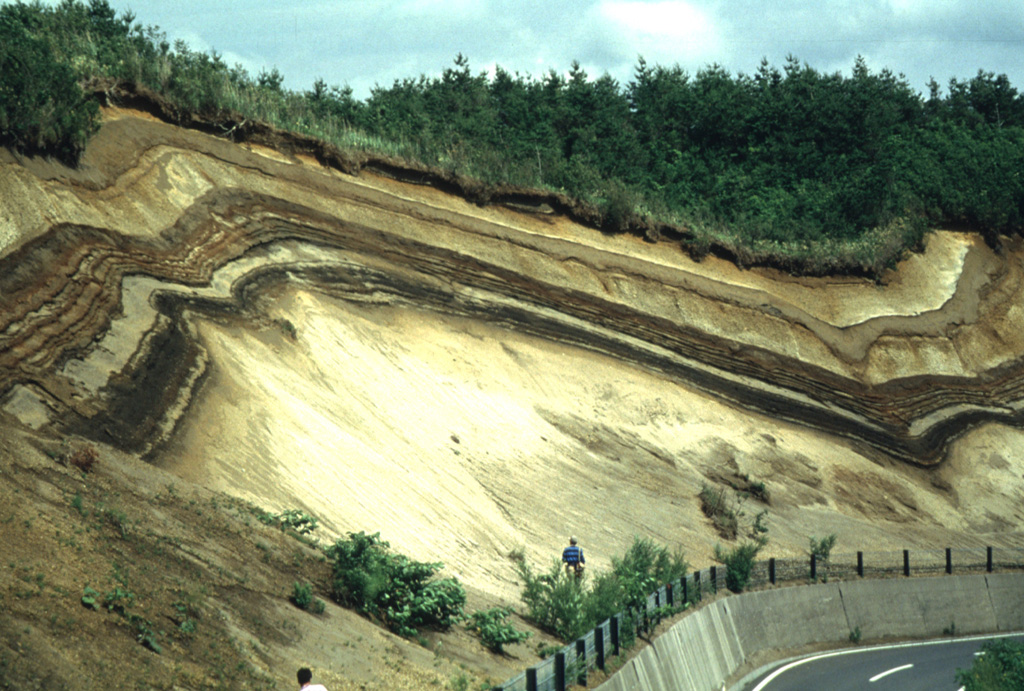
(821, 549)
(392, 588)
(1000, 667)
(84, 457)
(738, 563)
(293, 519)
(42, 108)
(554, 600)
(493, 628)
(302, 597)
(716, 505)
(564, 607)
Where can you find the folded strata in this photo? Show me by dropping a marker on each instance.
(104, 268)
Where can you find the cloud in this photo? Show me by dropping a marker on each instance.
(669, 30)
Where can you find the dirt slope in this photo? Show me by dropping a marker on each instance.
(246, 325)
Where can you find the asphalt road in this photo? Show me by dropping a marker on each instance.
(920, 666)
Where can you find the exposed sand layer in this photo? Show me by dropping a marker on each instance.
(472, 380)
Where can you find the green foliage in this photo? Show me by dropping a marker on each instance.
(821, 549)
(554, 600)
(293, 519)
(999, 667)
(738, 563)
(567, 608)
(302, 597)
(817, 170)
(391, 587)
(493, 628)
(42, 108)
(716, 505)
(855, 635)
(90, 598)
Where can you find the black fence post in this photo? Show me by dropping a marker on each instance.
(581, 661)
(771, 570)
(657, 607)
(560, 670)
(949, 560)
(814, 567)
(599, 647)
(531, 679)
(613, 630)
(860, 564)
(714, 579)
(686, 591)
(988, 559)
(670, 599)
(697, 586)
(906, 562)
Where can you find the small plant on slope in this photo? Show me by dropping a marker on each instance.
(493, 628)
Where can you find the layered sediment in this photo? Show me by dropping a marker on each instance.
(103, 270)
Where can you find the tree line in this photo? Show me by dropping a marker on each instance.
(820, 171)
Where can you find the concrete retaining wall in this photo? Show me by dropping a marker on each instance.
(702, 650)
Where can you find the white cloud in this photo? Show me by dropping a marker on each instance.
(665, 31)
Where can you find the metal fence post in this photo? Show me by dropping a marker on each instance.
(669, 595)
(771, 570)
(814, 568)
(860, 564)
(560, 671)
(988, 559)
(906, 562)
(949, 561)
(657, 607)
(599, 647)
(686, 593)
(531, 679)
(614, 631)
(696, 585)
(714, 579)
(581, 660)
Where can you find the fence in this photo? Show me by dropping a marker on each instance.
(571, 664)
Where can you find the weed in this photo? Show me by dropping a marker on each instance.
(84, 457)
(493, 628)
(760, 527)
(302, 597)
(392, 587)
(822, 549)
(738, 562)
(716, 505)
(855, 635)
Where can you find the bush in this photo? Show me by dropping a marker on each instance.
(554, 601)
(493, 628)
(293, 519)
(302, 597)
(42, 108)
(716, 505)
(738, 563)
(84, 458)
(821, 549)
(564, 607)
(392, 588)
(1000, 667)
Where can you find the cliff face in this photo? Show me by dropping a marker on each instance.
(470, 380)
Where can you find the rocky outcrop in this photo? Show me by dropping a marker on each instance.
(102, 269)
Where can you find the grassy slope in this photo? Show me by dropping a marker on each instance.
(183, 553)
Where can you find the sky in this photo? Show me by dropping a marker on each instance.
(366, 43)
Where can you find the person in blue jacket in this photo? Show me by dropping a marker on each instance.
(573, 557)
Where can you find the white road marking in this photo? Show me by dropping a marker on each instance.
(887, 673)
(850, 651)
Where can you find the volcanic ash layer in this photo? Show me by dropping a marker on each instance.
(104, 270)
